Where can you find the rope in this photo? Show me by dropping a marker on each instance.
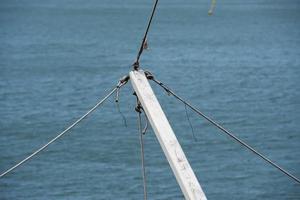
(120, 84)
(139, 110)
(143, 157)
(136, 64)
(169, 91)
(118, 107)
(190, 123)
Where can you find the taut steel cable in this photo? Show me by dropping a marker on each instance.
(120, 84)
(136, 64)
(169, 91)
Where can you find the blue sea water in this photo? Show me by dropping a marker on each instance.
(241, 66)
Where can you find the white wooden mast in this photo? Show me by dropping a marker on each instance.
(181, 168)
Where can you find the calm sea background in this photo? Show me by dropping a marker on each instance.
(241, 66)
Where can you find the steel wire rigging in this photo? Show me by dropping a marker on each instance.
(136, 64)
(224, 130)
(116, 88)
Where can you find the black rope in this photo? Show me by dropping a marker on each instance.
(190, 123)
(136, 63)
(168, 90)
(118, 107)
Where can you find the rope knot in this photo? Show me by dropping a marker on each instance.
(149, 75)
(122, 81)
(138, 108)
(136, 65)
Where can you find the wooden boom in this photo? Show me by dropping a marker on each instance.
(182, 170)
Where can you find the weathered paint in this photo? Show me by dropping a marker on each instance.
(181, 168)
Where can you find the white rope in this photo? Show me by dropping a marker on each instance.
(61, 134)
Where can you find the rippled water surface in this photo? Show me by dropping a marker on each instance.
(240, 66)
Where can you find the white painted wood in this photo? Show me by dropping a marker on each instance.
(181, 168)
